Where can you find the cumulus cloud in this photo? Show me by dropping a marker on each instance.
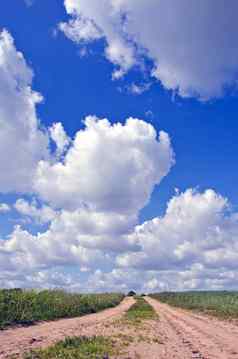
(59, 136)
(138, 89)
(192, 45)
(41, 279)
(95, 185)
(89, 23)
(108, 167)
(197, 229)
(20, 136)
(81, 239)
(193, 246)
(88, 30)
(105, 178)
(41, 215)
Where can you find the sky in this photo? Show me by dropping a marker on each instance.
(118, 145)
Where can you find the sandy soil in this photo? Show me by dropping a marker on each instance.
(188, 335)
(176, 333)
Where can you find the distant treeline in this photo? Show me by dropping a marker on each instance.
(219, 303)
(24, 307)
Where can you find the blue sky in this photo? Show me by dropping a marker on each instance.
(203, 132)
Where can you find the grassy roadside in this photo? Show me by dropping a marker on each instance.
(221, 304)
(136, 324)
(28, 306)
(76, 348)
(140, 311)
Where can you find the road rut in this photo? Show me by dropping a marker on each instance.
(188, 335)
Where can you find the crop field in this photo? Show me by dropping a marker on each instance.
(220, 303)
(25, 307)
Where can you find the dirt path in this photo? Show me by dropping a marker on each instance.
(186, 335)
(175, 334)
(15, 341)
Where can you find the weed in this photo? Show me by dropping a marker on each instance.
(139, 312)
(76, 348)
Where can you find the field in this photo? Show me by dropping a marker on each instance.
(26, 307)
(221, 303)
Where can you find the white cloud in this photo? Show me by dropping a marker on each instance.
(121, 279)
(81, 239)
(60, 137)
(193, 246)
(95, 20)
(25, 252)
(111, 168)
(197, 228)
(42, 279)
(138, 89)
(4, 208)
(99, 181)
(43, 214)
(20, 137)
(106, 177)
(80, 30)
(192, 44)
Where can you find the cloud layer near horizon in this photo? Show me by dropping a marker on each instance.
(192, 44)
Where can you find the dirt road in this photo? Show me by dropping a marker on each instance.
(186, 335)
(175, 334)
(18, 340)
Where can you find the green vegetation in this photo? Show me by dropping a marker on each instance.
(76, 347)
(221, 303)
(25, 307)
(140, 311)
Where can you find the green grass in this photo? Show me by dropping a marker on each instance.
(220, 303)
(76, 348)
(26, 307)
(140, 311)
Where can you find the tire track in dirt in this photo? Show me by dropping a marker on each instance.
(15, 341)
(176, 334)
(205, 338)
